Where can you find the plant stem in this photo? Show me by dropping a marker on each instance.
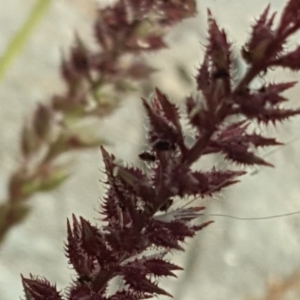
(22, 36)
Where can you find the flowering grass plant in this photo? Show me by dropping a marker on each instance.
(138, 211)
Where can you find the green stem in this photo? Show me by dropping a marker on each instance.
(19, 40)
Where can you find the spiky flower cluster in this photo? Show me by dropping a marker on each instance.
(137, 211)
(95, 80)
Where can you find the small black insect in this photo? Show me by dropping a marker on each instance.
(167, 205)
(162, 145)
(220, 74)
(146, 156)
(84, 279)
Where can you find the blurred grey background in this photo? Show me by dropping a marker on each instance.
(231, 259)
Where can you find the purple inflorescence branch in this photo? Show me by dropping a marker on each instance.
(137, 210)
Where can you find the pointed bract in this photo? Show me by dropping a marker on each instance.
(241, 156)
(144, 285)
(290, 60)
(39, 289)
(261, 37)
(290, 18)
(218, 48)
(78, 258)
(161, 131)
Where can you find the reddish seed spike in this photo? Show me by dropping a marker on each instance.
(172, 172)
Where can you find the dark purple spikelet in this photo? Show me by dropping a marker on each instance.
(39, 289)
(144, 213)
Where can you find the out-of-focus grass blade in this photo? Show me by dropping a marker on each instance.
(21, 37)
